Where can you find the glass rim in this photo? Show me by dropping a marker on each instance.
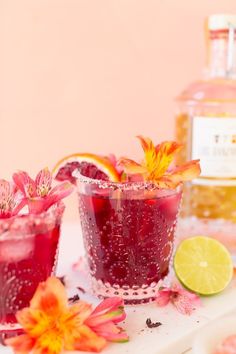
(124, 186)
(26, 225)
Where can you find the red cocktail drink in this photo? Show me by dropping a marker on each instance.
(128, 231)
(28, 256)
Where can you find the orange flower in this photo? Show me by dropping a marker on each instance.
(156, 164)
(52, 326)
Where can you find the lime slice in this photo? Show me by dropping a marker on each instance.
(203, 265)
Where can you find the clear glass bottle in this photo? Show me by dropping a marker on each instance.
(206, 125)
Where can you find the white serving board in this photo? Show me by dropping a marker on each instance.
(177, 331)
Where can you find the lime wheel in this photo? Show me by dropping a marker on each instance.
(203, 265)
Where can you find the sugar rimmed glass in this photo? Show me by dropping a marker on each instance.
(128, 232)
(28, 256)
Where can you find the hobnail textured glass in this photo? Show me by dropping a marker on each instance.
(128, 232)
(28, 255)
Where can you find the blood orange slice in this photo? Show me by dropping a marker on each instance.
(89, 165)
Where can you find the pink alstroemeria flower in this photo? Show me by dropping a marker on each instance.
(10, 199)
(104, 318)
(184, 301)
(39, 194)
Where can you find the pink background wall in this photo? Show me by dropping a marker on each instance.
(89, 75)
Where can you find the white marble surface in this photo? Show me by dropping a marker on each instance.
(176, 334)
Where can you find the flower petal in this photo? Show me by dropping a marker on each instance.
(43, 182)
(111, 309)
(165, 182)
(22, 344)
(50, 342)
(20, 204)
(89, 340)
(5, 189)
(183, 304)
(165, 153)
(163, 297)
(50, 297)
(169, 148)
(131, 167)
(36, 205)
(186, 172)
(25, 183)
(80, 312)
(111, 332)
(150, 155)
(34, 322)
(80, 265)
(146, 143)
(184, 300)
(59, 192)
(194, 298)
(7, 202)
(40, 204)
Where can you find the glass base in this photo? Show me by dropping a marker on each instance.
(8, 331)
(131, 295)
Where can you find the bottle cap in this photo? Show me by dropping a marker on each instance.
(221, 22)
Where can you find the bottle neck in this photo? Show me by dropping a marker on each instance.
(222, 54)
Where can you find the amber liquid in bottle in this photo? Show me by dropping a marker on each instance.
(206, 125)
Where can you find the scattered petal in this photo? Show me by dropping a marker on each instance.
(163, 297)
(80, 265)
(111, 309)
(184, 300)
(104, 318)
(89, 341)
(111, 332)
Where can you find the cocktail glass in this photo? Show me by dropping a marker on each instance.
(28, 256)
(128, 232)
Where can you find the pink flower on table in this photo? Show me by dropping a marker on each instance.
(104, 318)
(38, 194)
(184, 300)
(10, 199)
(80, 265)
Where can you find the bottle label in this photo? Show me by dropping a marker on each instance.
(214, 143)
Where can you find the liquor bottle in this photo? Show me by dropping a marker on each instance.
(206, 125)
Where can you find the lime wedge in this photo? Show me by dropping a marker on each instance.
(203, 265)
